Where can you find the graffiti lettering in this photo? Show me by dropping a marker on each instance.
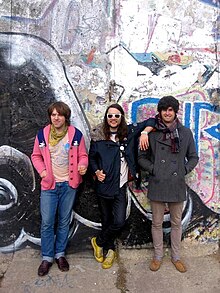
(190, 110)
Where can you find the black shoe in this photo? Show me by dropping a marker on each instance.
(62, 264)
(44, 268)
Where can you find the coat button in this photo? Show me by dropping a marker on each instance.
(163, 161)
(174, 174)
(71, 171)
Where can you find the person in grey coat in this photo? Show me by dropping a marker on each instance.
(170, 156)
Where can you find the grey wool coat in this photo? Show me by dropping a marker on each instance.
(167, 170)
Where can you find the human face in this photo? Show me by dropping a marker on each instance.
(168, 115)
(58, 121)
(113, 122)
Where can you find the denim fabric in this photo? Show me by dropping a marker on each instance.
(56, 207)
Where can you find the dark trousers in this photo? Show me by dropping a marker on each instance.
(113, 215)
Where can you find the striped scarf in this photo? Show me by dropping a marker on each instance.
(170, 132)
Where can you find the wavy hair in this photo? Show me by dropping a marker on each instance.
(122, 128)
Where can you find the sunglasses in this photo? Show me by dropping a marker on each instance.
(109, 116)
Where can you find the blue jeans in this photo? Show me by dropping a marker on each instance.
(58, 201)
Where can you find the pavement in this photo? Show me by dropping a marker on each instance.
(130, 272)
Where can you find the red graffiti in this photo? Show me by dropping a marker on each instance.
(175, 58)
(90, 56)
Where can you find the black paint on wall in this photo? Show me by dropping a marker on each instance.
(24, 97)
(25, 94)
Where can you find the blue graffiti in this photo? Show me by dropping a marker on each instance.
(137, 104)
(214, 131)
(188, 114)
(214, 3)
(216, 29)
(198, 108)
(189, 109)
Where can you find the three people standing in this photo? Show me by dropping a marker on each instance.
(60, 158)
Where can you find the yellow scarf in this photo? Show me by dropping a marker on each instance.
(55, 137)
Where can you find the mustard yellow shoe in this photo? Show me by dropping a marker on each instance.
(98, 251)
(109, 259)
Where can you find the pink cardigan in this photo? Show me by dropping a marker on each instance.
(41, 160)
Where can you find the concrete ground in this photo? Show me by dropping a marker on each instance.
(130, 272)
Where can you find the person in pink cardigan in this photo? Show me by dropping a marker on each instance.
(60, 157)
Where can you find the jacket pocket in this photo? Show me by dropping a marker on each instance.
(46, 182)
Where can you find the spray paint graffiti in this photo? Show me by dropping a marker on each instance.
(155, 61)
(167, 53)
(23, 112)
(202, 134)
(211, 2)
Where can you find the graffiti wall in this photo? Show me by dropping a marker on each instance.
(89, 54)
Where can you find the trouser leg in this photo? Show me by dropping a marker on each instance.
(113, 213)
(48, 207)
(65, 205)
(158, 209)
(176, 210)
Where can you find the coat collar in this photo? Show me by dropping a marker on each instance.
(97, 133)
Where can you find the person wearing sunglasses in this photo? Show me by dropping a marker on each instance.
(112, 157)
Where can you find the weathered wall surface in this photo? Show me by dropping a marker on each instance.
(90, 53)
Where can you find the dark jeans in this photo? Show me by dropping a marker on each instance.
(113, 215)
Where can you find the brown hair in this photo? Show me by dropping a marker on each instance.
(62, 108)
(122, 128)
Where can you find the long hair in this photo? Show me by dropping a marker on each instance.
(122, 128)
(62, 108)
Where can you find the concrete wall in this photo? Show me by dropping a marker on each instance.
(91, 53)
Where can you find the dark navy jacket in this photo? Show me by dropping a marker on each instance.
(105, 155)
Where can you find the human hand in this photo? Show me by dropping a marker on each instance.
(100, 175)
(82, 170)
(43, 174)
(144, 142)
